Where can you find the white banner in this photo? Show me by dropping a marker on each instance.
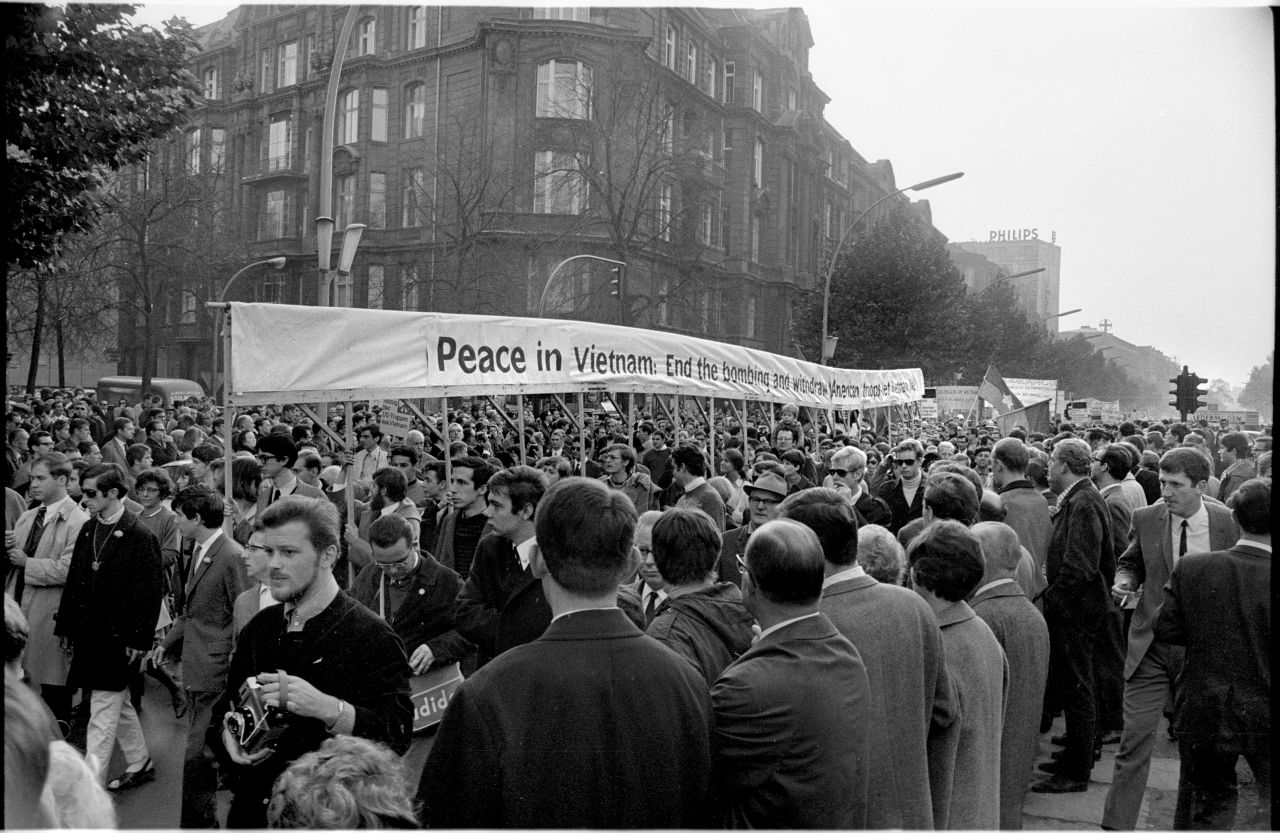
(953, 398)
(319, 354)
(1032, 390)
(929, 409)
(394, 418)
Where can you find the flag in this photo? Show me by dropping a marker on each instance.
(1034, 418)
(996, 393)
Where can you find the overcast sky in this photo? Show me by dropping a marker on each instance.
(1144, 137)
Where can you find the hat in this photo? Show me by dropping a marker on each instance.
(768, 482)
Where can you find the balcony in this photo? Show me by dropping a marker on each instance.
(701, 166)
(284, 166)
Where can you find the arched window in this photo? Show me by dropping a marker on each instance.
(415, 110)
(564, 90)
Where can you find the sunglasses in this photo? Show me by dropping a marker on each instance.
(839, 472)
(89, 492)
(900, 462)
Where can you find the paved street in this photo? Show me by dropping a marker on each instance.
(156, 805)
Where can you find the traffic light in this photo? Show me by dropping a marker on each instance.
(1188, 392)
(615, 282)
(1194, 391)
(1177, 393)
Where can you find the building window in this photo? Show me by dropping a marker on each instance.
(724, 229)
(279, 144)
(415, 110)
(212, 84)
(664, 306)
(368, 33)
(755, 238)
(757, 92)
(828, 219)
(669, 48)
(191, 149)
(307, 70)
(346, 201)
(378, 122)
(757, 164)
(750, 322)
(417, 27)
(665, 202)
(706, 225)
(558, 186)
(217, 150)
(728, 149)
(580, 13)
(266, 70)
(342, 294)
(728, 82)
(791, 99)
(377, 200)
(668, 143)
(704, 310)
(270, 289)
(349, 118)
(691, 61)
(287, 64)
(709, 79)
(274, 216)
(409, 287)
(564, 90)
(411, 190)
(187, 309)
(374, 284)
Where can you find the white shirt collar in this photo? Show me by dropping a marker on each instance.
(693, 484)
(209, 542)
(580, 610)
(57, 506)
(114, 518)
(855, 571)
(1249, 542)
(784, 623)
(1196, 521)
(991, 584)
(524, 551)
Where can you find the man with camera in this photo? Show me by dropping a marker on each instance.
(318, 664)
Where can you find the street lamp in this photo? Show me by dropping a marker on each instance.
(1045, 318)
(324, 241)
(546, 289)
(275, 263)
(828, 342)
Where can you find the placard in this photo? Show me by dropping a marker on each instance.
(431, 693)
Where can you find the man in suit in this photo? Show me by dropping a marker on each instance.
(1218, 605)
(1026, 510)
(39, 552)
(614, 729)
(651, 588)
(116, 448)
(764, 496)
(1075, 607)
(1110, 467)
(108, 616)
(158, 440)
(905, 493)
(791, 713)
(848, 469)
(202, 639)
(1159, 535)
(1022, 633)
(277, 454)
(912, 705)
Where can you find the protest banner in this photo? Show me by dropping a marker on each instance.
(358, 354)
(430, 694)
(1030, 391)
(394, 418)
(956, 398)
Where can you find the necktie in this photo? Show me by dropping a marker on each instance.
(28, 549)
(1182, 542)
(197, 554)
(650, 606)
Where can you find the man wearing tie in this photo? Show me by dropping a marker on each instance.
(277, 453)
(651, 586)
(1181, 523)
(203, 638)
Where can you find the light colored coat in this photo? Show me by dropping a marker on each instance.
(1021, 631)
(45, 575)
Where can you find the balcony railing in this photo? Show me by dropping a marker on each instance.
(286, 164)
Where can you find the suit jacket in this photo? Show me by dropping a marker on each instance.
(791, 726)
(112, 453)
(1078, 547)
(161, 453)
(1022, 633)
(1120, 517)
(1218, 605)
(970, 792)
(500, 605)
(205, 632)
(427, 615)
(911, 696)
(1027, 512)
(733, 544)
(301, 489)
(44, 577)
(1147, 563)
(593, 724)
(115, 607)
(892, 494)
(872, 509)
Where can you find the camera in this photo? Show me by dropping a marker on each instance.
(255, 725)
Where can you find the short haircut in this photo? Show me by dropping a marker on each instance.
(1117, 461)
(1012, 454)
(206, 453)
(909, 445)
(435, 467)
(951, 496)
(785, 561)
(279, 445)
(120, 422)
(105, 477)
(791, 428)
(991, 506)
(850, 458)
(585, 531)
(1187, 461)
(348, 783)
(372, 428)
(1000, 546)
(56, 463)
(388, 529)
(136, 453)
(946, 560)
(1253, 506)
(1075, 454)
(523, 486)
(391, 481)
(154, 425)
(691, 458)
(628, 454)
(686, 545)
(881, 555)
(1097, 435)
(310, 459)
(200, 502)
(829, 515)
(481, 471)
(405, 451)
(735, 460)
(794, 456)
(157, 476)
(317, 514)
(1236, 441)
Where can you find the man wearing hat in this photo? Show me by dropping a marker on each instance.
(763, 497)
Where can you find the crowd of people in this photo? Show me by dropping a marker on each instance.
(759, 619)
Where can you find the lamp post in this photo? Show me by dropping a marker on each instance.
(829, 343)
(275, 263)
(324, 239)
(546, 289)
(1045, 318)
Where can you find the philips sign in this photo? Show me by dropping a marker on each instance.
(1013, 235)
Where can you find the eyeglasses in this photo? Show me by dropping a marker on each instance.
(898, 461)
(386, 565)
(265, 457)
(765, 501)
(89, 492)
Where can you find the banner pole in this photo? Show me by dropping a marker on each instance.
(228, 417)
(350, 489)
(520, 419)
(711, 429)
(582, 433)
